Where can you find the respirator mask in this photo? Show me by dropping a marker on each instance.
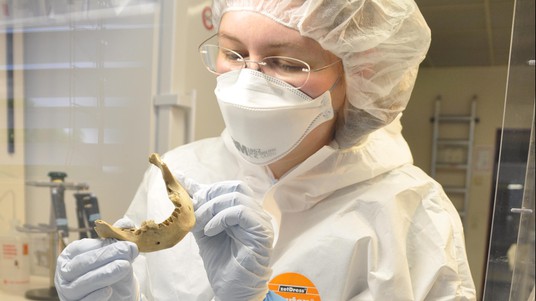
(266, 117)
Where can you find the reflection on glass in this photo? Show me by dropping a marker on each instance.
(83, 79)
(523, 267)
(510, 268)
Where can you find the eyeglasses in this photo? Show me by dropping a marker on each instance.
(295, 72)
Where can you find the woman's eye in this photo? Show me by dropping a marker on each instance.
(231, 56)
(286, 65)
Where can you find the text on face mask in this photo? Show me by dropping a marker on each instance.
(254, 152)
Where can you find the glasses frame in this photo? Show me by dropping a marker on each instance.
(261, 62)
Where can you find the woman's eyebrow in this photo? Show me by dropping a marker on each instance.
(222, 35)
(283, 47)
(268, 45)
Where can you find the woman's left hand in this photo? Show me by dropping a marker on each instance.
(235, 238)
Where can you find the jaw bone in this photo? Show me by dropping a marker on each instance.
(151, 236)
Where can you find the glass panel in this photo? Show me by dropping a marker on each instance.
(88, 70)
(80, 78)
(83, 79)
(510, 269)
(523, 262)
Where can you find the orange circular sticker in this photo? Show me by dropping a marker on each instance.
(294, 287)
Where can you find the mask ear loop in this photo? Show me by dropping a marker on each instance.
(338, 78)
(335, 83)
(338, 117)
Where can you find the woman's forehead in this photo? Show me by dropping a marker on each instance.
(252, 29)
(249, 23)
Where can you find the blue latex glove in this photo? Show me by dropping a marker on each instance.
(271, 296)
(235, 238)
(96, 269)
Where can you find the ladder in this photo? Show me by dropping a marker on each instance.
(452, 149)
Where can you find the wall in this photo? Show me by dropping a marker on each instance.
(189, 72)
(183, 78)
(456, 87)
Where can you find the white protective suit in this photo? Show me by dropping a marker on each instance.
(361, 223)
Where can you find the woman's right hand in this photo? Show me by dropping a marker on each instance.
(97, 269)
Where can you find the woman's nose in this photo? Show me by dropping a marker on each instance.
(255, 65)
(254, 62)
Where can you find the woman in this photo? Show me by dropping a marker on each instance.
(310, 192)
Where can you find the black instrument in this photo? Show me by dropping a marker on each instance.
(87, 212)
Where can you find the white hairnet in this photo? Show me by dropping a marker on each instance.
(381, 44)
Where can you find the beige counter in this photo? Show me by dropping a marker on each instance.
(36, 282)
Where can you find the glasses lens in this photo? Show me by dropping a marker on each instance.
(290, 70)
(208, 56)
(219, 60)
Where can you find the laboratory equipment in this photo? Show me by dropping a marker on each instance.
(14, 262)
(87, 212)
(58, 229)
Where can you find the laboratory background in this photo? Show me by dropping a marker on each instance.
(89, 89)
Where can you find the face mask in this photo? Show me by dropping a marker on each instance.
(265, 120)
